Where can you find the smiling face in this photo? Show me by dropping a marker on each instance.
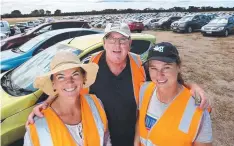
(68, 83)
(163, 74)
(117, 47)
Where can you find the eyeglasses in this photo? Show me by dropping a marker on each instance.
(122, 40)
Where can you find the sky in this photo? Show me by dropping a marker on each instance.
(26, 6)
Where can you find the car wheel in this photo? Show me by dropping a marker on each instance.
(139, 31)
(189, 29)
(226, 33)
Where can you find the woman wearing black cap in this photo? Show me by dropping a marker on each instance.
(168, 113)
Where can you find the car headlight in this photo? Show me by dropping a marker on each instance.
(220, 28)
(202, 28)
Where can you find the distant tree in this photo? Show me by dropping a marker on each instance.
(42, 12)
(57, 12)
(35, 13)
(16, 13)
(48, 12)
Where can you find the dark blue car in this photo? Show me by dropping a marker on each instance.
(13, 58)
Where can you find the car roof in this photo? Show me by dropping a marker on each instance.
(84, 42)
(59, 31)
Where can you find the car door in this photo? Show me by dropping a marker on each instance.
(203, 20)
(231, 24)
(196, 22)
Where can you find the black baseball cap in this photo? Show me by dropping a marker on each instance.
(164, 51)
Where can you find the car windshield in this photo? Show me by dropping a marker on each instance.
(163, 19)
(21, 24)
(34, 41)
(186, 18)
(219, 21)
(24, 76)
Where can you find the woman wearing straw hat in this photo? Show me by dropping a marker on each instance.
(168, 113)
(71, 119)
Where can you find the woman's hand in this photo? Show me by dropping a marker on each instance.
(36, 112)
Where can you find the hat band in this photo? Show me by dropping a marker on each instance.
(64, 63)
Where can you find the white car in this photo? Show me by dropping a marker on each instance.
(5, 27)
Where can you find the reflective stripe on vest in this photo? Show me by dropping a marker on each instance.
(137, 70)
(97, 118)
(142, 92)
(41, 132)
(177, 126)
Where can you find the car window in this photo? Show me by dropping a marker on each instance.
(51, 42)
(231, 20)
(70, 25)
(139, 46)
(33, 42)
(196, 18)
(44, 29)
(1, 24)
(24, 76)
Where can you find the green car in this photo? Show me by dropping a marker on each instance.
(18, 96)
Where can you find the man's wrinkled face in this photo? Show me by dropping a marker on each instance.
(117, 47)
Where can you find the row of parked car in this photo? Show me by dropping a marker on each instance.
(27, 55)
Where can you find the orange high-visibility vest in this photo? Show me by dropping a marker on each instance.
(137, 70)
(51, 131)
(179, 124)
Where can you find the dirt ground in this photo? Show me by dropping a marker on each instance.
(209, 62)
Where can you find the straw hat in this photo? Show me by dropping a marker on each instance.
(64, 60)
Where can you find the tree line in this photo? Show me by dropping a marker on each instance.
(42, 13)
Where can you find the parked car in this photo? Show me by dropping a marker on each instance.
(189, 23)
(14, 30)
(147, 23)
(5, 27)
(18, 94)
(136, 25)
(16, 41)
(219, 26)
(165, 23)
(15, 57)
(23, 25)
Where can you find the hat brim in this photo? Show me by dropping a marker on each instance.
(123, 33)
(163, 59)
(44, 82)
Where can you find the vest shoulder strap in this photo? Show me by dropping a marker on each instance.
(43, 133)
(142, 92)
(96, 57)
(136, 59)
(97, 118)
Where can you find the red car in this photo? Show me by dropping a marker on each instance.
(18, 40)
(136, 26)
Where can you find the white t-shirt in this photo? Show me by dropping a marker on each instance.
(157, 108)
